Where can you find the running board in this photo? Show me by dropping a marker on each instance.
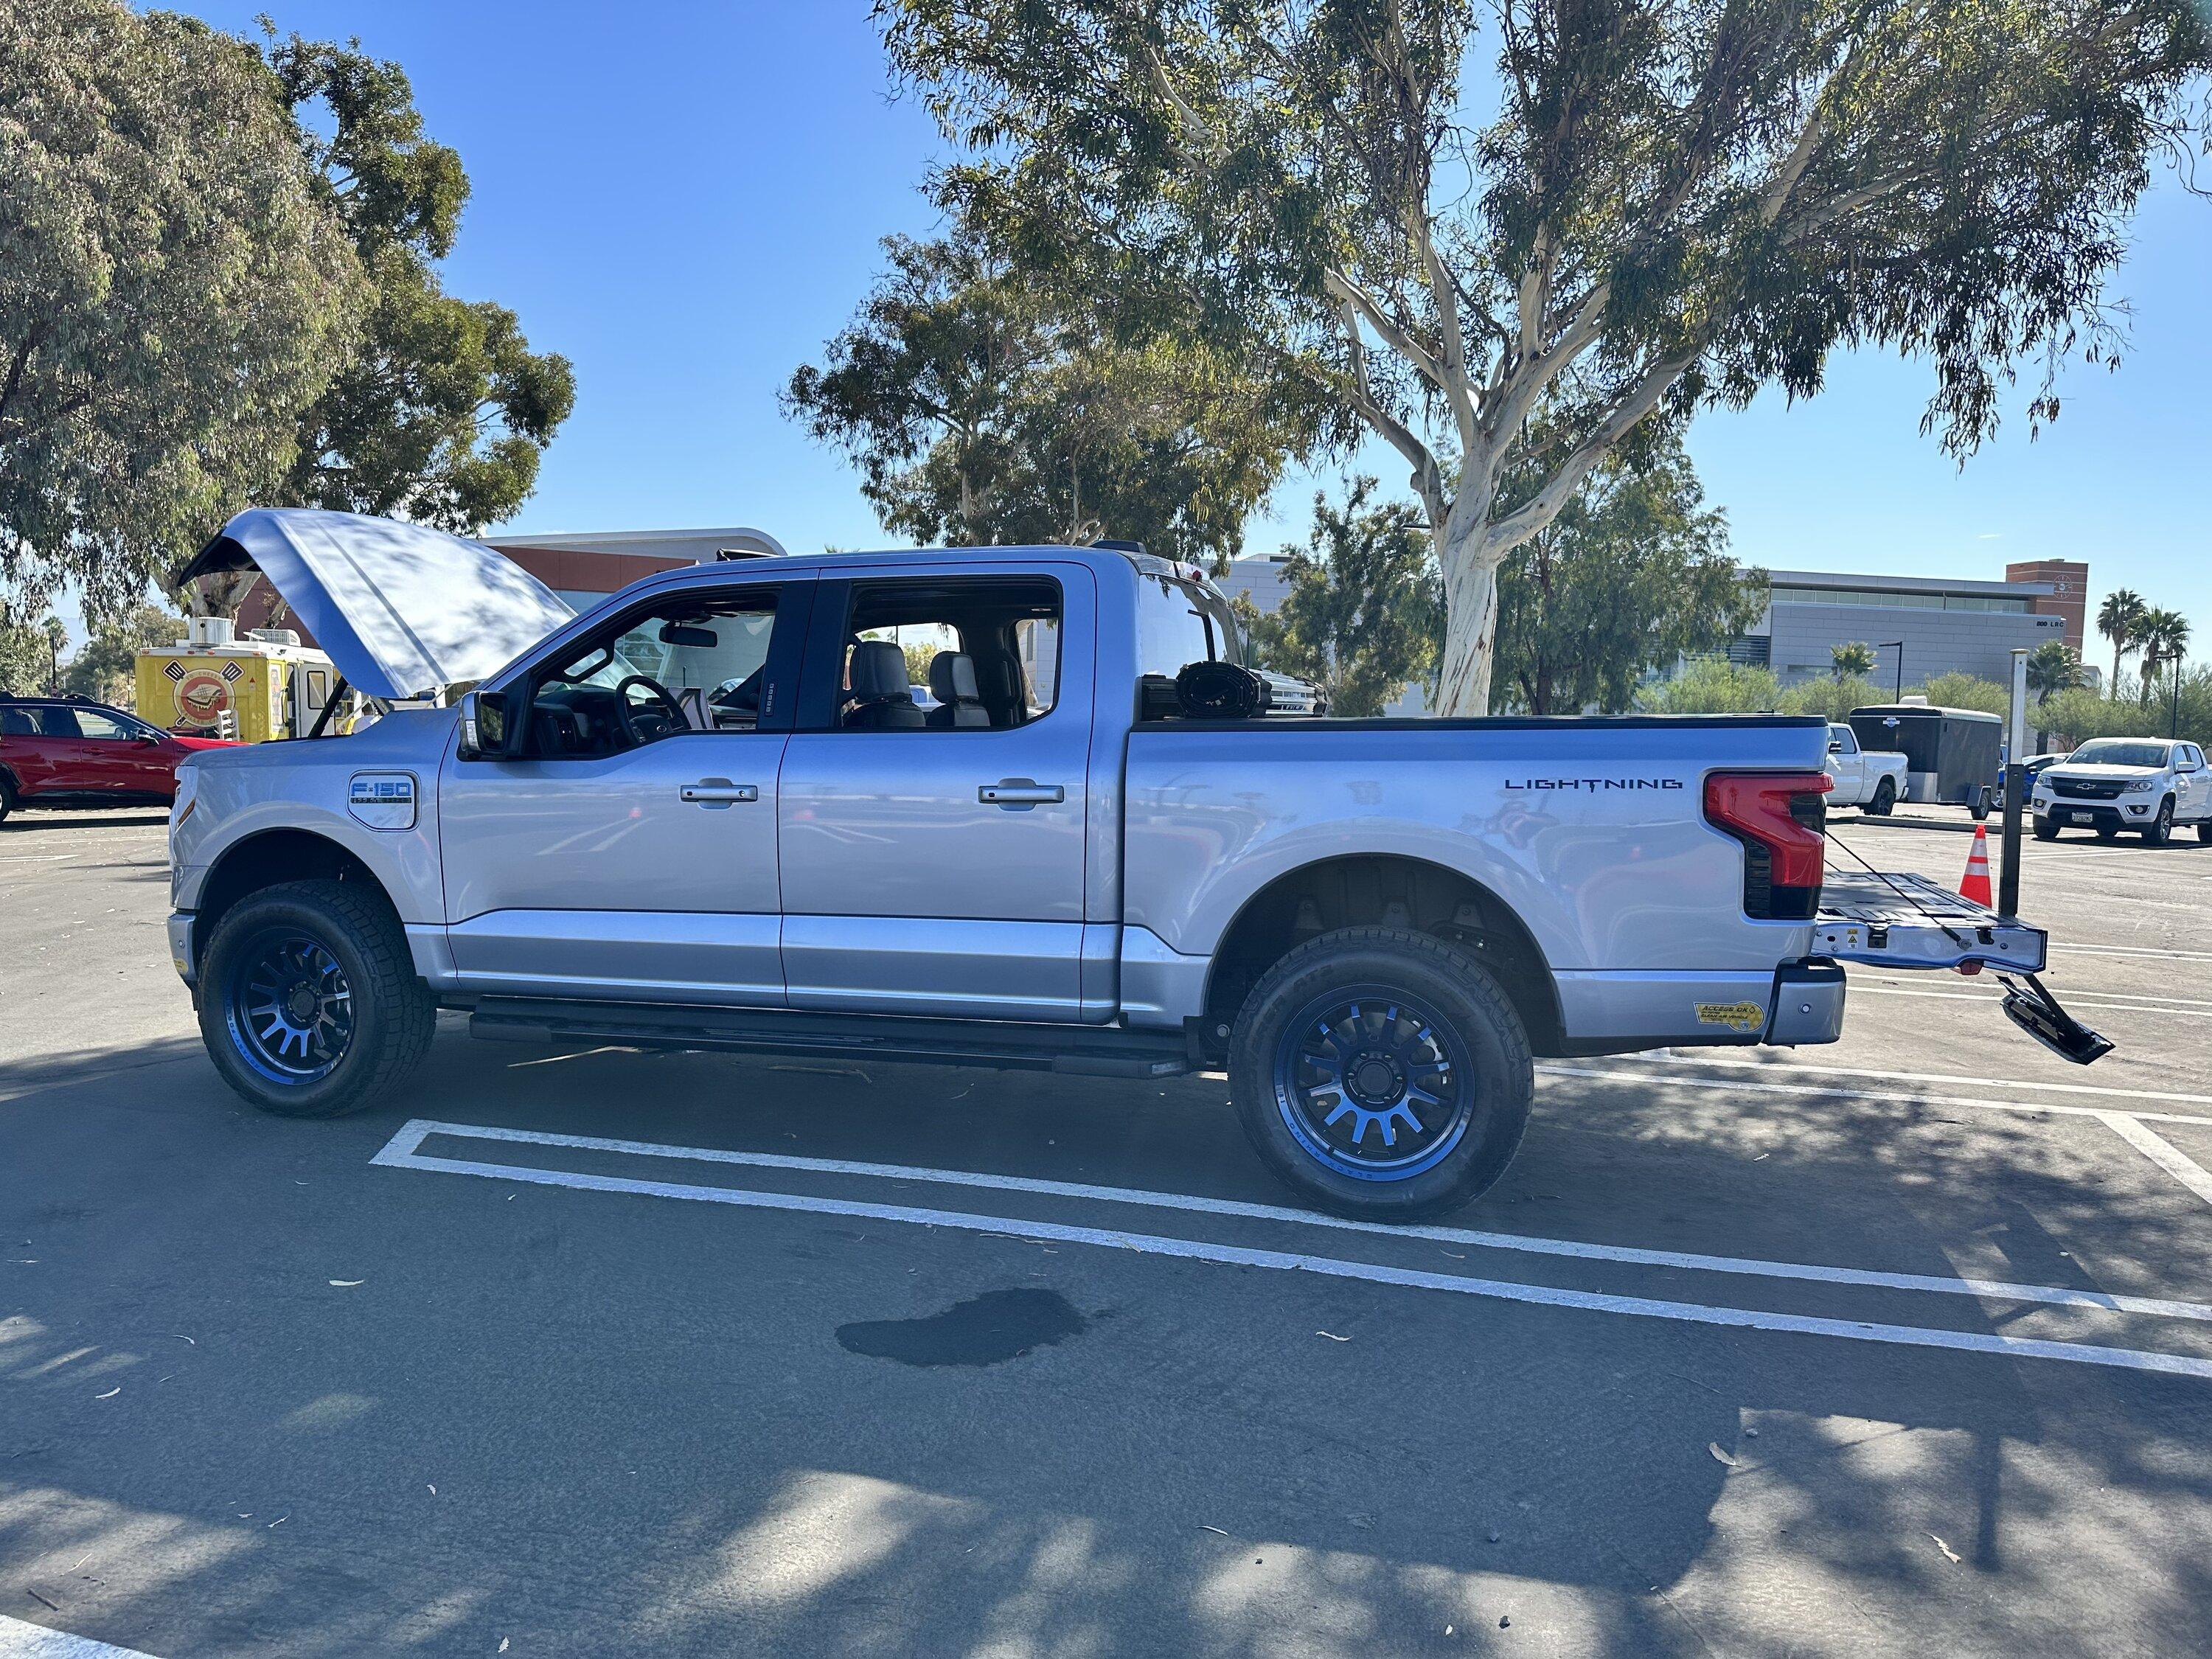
(1077, 1050)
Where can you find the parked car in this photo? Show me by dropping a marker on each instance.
(1371, 926)
(65, 752)
(2034, 766)
(1869, 778)
(2150, 785)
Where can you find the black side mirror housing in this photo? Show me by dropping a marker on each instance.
(487, 726)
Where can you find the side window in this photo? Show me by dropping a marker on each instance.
(692, 662)
(16, 723)
(57, 723)
(949, 653)
(1847, 741)
(1173, 629)
(92, 724)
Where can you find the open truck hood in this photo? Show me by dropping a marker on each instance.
(400, 610)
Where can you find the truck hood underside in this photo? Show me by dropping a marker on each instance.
(401, 611)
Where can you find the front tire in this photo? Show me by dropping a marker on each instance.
(2159, 829)
(1885, 797)
(309, 1004)
(2046, 829)
(1382, 1074)
(7, 796)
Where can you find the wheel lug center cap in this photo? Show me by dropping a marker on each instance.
(302, 1003)
(1375, 1078)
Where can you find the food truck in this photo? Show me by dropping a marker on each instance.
(213, 685)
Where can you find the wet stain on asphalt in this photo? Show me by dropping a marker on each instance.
(984, 1330)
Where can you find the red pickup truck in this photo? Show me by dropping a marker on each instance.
(62, 752)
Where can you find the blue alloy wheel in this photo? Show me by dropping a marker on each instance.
(1372, 1085)
(289, 1006)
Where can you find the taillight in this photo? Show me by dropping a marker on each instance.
(1781, 818)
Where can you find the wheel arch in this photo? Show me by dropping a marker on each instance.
(1384, 890)
(267, 859)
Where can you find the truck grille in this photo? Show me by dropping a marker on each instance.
(2086, 789)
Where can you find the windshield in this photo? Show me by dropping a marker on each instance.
(2118, 751)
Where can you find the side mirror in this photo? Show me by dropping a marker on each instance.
(484, 725)
(1835, 746)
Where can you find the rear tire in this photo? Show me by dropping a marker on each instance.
(309, 1004)
(1885, 797)
(2159, 829)
(1382, 1074)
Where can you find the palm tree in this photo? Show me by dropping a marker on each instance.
(1848, 660)
(2115, 620)
(2052, 667)
(2164, 635)
(57, 633)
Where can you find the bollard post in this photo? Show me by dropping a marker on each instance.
(2015, 786)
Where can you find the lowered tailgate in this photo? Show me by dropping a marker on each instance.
(1908, 921)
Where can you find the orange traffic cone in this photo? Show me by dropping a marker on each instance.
(1975, 885)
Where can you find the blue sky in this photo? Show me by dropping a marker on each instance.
(685, 199)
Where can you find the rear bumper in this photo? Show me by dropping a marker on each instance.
(1799, 1002)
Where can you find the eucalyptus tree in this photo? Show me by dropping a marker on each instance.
(1450, 216)
(173, 292)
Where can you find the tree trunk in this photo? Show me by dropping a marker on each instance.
(1470, 616)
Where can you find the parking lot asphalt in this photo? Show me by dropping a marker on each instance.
(1902, 1345)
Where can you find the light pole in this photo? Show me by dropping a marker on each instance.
(2173, 692)
(1897, 646)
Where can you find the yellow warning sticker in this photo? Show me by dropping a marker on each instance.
(1736, 1015)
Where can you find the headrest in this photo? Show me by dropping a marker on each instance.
(952, 677)
(879, 670)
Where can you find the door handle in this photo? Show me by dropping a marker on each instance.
(719, 791)
(1020, 792)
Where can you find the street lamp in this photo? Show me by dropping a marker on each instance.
(1897, 646)
(2173, 717)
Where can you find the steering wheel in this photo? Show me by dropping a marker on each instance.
(630, 717)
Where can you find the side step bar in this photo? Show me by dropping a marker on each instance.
(1078, 1050)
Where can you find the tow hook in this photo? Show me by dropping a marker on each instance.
(2036, 1012)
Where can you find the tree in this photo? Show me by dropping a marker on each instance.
(23, 653)
(442, 415)
(1854, 659)
(1632, 575)
(2116, 619)
(1962, 690)
(978, 413)
(106, 667)
(1713, 685)
(2164, 636)
(1675, 203)
(2052, 667)
(1364, 612)
(172, 292)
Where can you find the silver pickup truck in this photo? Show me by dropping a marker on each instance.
(719, 811)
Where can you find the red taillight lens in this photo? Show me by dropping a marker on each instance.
(1781, 818)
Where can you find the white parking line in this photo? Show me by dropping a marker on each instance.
(411, 1137)
(1707, 1057)
(2133, 950)
(2163, 1152)
(19, 1640)
(2037, 1107)
(402, 1153)
(2075, 998)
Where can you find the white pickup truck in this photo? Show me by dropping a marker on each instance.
(1871, 779)
(710, 813)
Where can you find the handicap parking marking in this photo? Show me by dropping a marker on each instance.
(404, 1151)
(21, 1640)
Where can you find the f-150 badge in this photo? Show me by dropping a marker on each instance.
(383, 800)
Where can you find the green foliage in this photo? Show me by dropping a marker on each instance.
(1832, 698)
(105, 667)
(444, 412)
(173, 292)
(1364, 612)
(1712, 685)
(978, 413)
(2164, 637)
(1853, 658)
(2052, 667)
(1956, 691)
(2080, 714)
(1632, 575)
(27, 651)
(1644, 205)
(2118, 619)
